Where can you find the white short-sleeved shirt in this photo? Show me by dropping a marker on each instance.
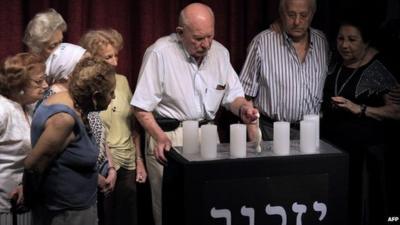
(172, 85)
(14, 146)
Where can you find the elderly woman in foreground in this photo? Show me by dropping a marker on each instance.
(21, 84)
(62, 164)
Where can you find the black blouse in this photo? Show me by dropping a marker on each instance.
(364, 85)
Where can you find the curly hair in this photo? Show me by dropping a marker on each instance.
(15, 72)
(90, 76)
(95, 40)
(41, 28)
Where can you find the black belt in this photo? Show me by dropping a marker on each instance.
(295, 125)
(168, 124)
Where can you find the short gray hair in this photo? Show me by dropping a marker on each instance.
(41, 28)
(282, 5)
(182, 19)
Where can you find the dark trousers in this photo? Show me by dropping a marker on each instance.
(120, 206)
(43, 216)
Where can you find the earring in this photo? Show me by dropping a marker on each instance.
(22, 92)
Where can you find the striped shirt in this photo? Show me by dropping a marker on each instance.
(283, 87)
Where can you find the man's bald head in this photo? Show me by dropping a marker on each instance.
(196, 29)
(195, 13)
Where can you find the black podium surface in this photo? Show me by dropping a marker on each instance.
(261, 189)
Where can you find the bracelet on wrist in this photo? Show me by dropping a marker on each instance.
(112, 168)
(139, 158)
(363, 109)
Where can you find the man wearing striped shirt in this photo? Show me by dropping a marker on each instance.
(284, 72)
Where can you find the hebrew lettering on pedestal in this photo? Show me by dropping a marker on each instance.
(300, 209)
(320, 207)
(277, 210)
(222, 213)
(249, 212)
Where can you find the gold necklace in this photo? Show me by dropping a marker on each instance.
(349, 77)
(345, 82)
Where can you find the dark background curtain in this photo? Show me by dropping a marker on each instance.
(141, 22)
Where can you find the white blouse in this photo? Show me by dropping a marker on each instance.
(14, 146)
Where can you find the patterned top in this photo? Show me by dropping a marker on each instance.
(99, 133)
(342, 127)
(283, 87)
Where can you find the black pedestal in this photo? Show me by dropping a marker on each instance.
(260, 189)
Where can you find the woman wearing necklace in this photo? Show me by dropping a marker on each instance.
(354, 110)
(21, 84)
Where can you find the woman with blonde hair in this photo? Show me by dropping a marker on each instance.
(120, 207)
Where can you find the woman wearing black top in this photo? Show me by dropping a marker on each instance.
(358, 99)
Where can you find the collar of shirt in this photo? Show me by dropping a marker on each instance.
(189, 58)
(289, 42)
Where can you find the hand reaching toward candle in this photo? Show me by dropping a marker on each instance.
(248, 114)
(255, 134)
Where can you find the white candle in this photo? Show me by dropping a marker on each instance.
(190, 137)
(258, 140)
(209, 138)
(315, 118)
(307, 136)
(281, 142)
(238, 140)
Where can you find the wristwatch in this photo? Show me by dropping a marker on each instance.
(363, 109)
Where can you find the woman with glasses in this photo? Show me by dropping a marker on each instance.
(22, 83)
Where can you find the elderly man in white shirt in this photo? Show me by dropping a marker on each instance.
(184, 76)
